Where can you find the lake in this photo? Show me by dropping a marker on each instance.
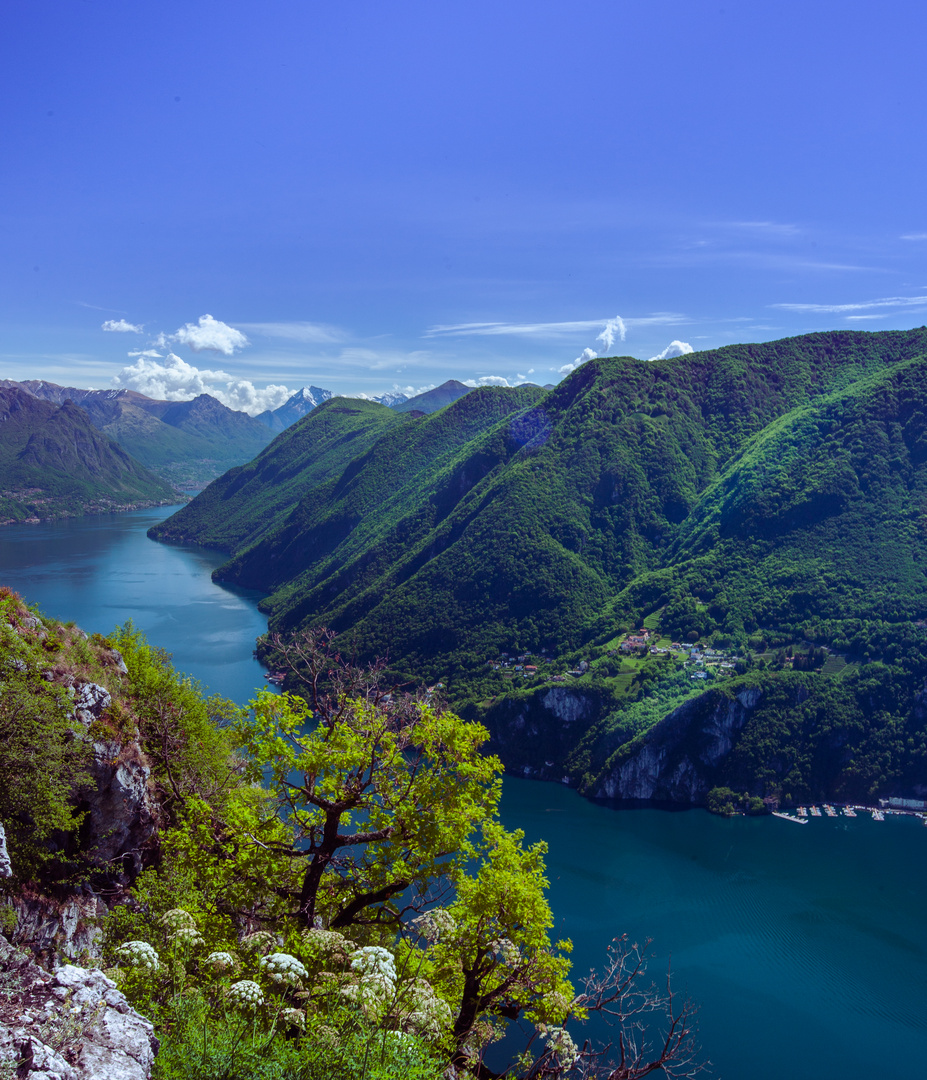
(806, 946)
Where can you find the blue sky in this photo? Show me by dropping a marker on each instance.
(367, 195)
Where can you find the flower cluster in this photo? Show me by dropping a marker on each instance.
(427, 1014)
(560, 1042)
(181, 929)
(177, 919)
(374, 960)
(283, 969)
(261, 941)
(506, 951)
(326, 942)
(221, 962)
(376, 985)
(295, 1017)
(138, 954)
(245, 994)
(435, 924)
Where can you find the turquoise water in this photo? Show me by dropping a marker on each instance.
(102, 571)
(806, 946)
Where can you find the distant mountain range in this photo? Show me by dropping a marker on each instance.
(294, 408)
(186, 443)
(190, 443)
(757, 498)
(54, 463)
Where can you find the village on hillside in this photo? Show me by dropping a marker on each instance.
(637, 646)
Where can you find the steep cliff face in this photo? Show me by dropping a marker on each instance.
(679, 759)
(533, 734)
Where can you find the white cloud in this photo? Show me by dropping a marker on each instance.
(837, 309)
(915, 236)
(618, 327)
(120, 326)
(307, 333)
(675, 348)
(145, 352)
(487, 380)
(584, 357)
(613, 328)
(212, 335)
(176, 380)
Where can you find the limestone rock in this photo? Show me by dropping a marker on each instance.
(121, 813)
(71, 1025)
(53, 928)
(676, 760)
(90, 702)
(6, 868)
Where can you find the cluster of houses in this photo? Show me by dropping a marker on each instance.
(513, 666)
(704, 660)
(700, 656)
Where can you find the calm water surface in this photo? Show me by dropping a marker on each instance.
(102, 571)
(805, 945)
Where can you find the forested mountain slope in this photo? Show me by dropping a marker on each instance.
(54, 463)
(535, 526)
(752, 497)
(248, 502)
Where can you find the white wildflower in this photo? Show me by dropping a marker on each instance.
(186, 937)
(138, 954)
(221, 962)
(507, 951)
(295, 1017)
(325, 942)
(177, 919)
(427, 1014)
(374, 960)
(283, 969)
(325, 1035)
(560, 1042)
(435, 924)
(261, 941)
(245, 994)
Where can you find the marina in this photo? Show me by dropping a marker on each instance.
(803, 814)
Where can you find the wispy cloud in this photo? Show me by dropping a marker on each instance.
(864, 305)
(763, 228)
(121, 326)
(307, 333)
(915, 236)
(610, 326)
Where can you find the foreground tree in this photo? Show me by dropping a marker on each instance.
(376, 801)
(349, 814)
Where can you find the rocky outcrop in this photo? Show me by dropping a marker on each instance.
(51, 928)
(73, 1024)
(532, 735)
(6, 867)
(121, 820)
(678, 759)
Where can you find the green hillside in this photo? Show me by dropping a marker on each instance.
(754, 497)
(54, 463)
(250, 501)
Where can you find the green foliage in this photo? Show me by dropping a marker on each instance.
(185, 737)
(43, 757)
(375, 803)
